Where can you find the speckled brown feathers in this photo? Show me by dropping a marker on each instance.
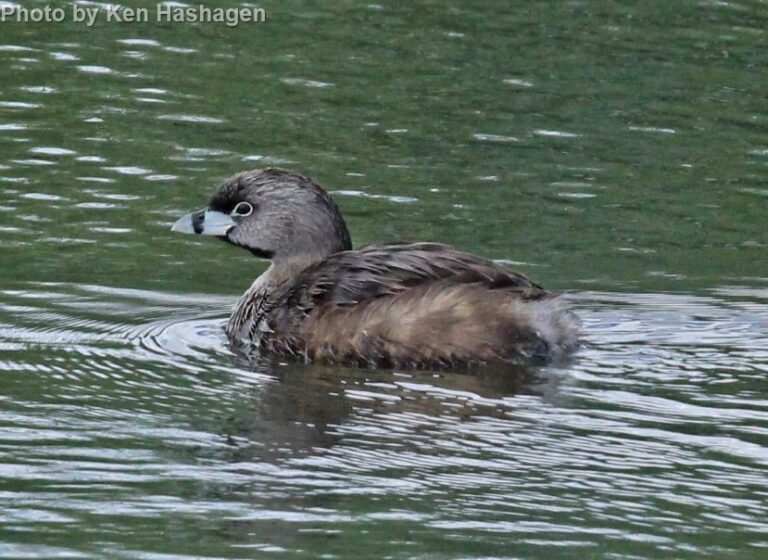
(415, 305)
(440, 323)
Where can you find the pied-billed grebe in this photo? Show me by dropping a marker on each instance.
(398, 304)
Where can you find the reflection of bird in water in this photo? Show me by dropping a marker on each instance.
(402, 304)
(303, 407)
(310, 435)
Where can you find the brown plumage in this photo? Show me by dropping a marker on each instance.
(401, 304)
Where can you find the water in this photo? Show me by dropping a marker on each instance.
(616, 152)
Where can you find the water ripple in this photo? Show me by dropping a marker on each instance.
(634, 430)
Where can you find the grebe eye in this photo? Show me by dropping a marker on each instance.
(243, 209)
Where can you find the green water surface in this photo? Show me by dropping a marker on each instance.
(614, 150)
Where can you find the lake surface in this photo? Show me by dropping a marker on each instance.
(616, 152)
